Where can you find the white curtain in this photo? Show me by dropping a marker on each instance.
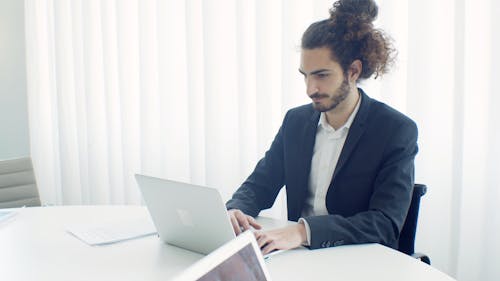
(195, 91)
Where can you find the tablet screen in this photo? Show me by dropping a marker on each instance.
(238, 260)
(242, 266)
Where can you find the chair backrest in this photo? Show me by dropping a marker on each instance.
(407, 236)
(18, 184)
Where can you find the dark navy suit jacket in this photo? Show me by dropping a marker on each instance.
(372, 184)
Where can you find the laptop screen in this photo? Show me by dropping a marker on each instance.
(188, 216)
(239, 259)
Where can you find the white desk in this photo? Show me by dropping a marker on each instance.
(34, 245)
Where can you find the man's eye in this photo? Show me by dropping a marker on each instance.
(322, 75)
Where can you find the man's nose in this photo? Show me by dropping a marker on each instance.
(311, 87)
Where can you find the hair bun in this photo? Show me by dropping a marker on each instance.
(362, 10)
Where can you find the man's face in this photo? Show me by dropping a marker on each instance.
(324, 78)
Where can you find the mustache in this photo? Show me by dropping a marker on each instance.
(318, 95)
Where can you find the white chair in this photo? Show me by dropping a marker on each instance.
(18, 184)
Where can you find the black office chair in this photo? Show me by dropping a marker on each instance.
(407, 236)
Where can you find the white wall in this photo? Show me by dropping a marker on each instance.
(14, 138)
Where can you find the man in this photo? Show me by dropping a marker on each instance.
(347, 160)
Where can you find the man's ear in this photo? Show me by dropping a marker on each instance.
(355, 70)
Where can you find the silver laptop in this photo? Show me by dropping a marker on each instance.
(185, 215)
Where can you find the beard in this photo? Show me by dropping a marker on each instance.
(338, 97)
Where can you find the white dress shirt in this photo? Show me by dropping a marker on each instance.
(327, 148)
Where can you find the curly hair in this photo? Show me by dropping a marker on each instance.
(350, 35)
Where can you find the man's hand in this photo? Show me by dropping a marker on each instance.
(241, 222)
(281, 239)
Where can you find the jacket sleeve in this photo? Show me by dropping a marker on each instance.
(388, 205)
(260, 189)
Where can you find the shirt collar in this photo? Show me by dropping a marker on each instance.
(324, 124)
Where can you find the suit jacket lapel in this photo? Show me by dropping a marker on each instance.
(355, 132)
(307, 136)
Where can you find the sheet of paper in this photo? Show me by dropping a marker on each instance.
(6, 216)
(112, 232)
